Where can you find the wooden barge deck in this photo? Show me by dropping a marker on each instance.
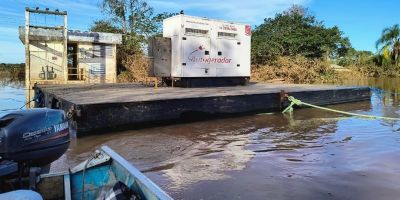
(102, 106)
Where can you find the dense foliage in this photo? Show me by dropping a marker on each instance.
(354, 57)
(133, 16)
(8, 66)
(296, 32)
(12, 71)
(384, 63)
(389, 44)
(135, 19)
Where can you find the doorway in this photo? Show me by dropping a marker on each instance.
(73, 71)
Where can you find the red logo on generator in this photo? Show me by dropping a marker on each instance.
(248, 30)
(198, 49)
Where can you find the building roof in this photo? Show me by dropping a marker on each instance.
(45, 34)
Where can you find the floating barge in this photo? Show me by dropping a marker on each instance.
(97, 107)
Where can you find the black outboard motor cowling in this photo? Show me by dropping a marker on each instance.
(34, 137)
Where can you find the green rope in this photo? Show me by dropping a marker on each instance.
(294, 101)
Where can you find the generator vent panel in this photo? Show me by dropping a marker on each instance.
(160, 57)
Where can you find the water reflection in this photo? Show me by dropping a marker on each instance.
(184, 154)
(12, 95)
(11, 82)
(387, 89)
(181, 156)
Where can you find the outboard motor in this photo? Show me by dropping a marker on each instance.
(32, 138)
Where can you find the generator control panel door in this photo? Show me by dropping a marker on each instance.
(228, 57)
(196, 61)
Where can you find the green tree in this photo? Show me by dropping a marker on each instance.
(104, 26)
(135, 20)
(131, 42)
(134, 16)
(356, 58)
(296, 32)
(390, 40)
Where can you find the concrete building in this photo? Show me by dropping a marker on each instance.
(57, 56)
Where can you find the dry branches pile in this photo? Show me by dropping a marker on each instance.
(137, 67)
(294, 70)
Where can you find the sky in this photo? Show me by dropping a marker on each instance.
(360, 20)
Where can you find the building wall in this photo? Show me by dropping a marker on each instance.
(46, 62)
(49, 65)
(98, 62)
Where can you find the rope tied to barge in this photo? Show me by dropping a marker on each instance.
(293, 101)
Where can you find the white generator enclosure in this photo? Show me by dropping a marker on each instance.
(202, 48)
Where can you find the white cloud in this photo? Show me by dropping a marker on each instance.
(250, 11)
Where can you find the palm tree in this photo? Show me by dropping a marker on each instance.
(390, 39)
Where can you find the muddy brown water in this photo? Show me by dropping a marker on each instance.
(309, 155)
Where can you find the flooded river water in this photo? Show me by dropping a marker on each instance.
(310, 155)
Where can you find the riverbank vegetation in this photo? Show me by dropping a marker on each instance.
(294, 69)
(384, 63)
(292, 46)
(12, 71)
(295, 47)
